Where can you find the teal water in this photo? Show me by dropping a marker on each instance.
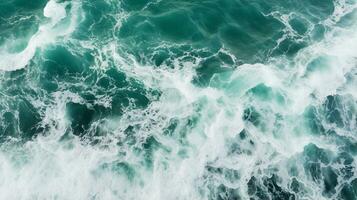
(178, 99)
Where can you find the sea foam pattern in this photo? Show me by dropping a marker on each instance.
(178, 99)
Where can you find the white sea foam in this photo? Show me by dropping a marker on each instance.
(72, 170)
(46, 34)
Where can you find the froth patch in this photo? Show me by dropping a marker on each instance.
(47, 33)
(55, 11)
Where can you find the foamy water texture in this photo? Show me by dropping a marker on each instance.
(178, 99)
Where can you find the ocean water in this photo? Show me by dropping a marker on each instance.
(178, 99)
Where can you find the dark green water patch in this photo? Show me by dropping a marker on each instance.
(268, 188)
(19, 20)
(349, 191)
(99, 21)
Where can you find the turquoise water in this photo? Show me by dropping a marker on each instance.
(178, 99)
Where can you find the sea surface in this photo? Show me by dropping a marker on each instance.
(178, 99)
